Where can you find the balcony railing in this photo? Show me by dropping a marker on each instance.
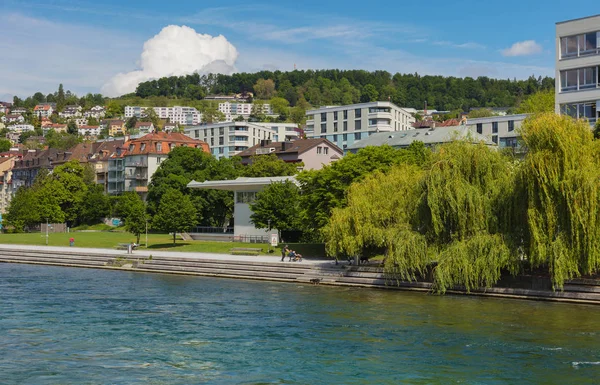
(136, 176)
(142, 163)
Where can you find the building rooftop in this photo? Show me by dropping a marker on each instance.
(580, 18)
(161, 143)
(299, 146)
(429, 136)
(240, 184)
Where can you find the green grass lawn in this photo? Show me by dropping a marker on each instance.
(109, 240)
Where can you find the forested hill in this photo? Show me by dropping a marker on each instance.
(327, 87)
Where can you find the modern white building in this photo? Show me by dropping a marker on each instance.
(186, 116)
(96, 112)
(233, 110)
(501, 130)
(245, 190)
(577, 64)
(230, 138)
(344, 125)
(21, 128)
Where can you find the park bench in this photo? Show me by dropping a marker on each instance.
(245, 251)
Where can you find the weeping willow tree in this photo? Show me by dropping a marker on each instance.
(379, 216)
(561, 176)
(462, 215)
(446, 216)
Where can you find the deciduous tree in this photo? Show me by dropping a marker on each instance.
(175, 213)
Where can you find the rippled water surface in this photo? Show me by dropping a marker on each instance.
(79, 326)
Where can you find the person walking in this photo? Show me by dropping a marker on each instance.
(284, 252)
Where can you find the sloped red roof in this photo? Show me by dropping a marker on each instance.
(149, 144)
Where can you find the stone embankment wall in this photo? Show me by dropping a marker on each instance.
(325, 273)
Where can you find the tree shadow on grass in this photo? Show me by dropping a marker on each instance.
(166, 245)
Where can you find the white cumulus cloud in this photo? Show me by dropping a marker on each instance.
(176, 51)
(523, 48)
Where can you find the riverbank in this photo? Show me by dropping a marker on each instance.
(270, 268)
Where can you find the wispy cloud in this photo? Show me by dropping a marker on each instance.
(523, 48)
(468, 45)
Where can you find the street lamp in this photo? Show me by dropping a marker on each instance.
(46, 231)
(146, 232)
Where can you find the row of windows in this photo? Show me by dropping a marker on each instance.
(357, 114)
(511, 127)
(578, 79)
(357, 126)
(580, 110)
(580, 45)
(322, 150)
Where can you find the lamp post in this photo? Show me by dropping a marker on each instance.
(46, 231)
(146, 232)
(269, 240)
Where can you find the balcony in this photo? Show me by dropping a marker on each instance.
(139, 163)
(137, 176)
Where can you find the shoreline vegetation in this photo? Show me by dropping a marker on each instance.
(471, 213)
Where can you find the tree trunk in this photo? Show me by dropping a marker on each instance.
(138, 239)
(174, 235)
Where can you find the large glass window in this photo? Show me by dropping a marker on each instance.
(568, 80)
(245, 197)
(589, 44)
(587, 78)
(335, 115)
(579, 45)
(480, 128)
(335, 127)
(357, 113)
(357, 125)
(323, 128)
(323, 116)
(511, 125)
(345, 114)
(345, 126)
(494, 127)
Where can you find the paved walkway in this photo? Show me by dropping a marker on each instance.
(276, 258)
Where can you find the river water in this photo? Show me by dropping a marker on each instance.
(79, 326)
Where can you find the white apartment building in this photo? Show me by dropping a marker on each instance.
(344, 125)
(20, 128)
(186, 116)
(502, 130)
(232, 110)
(230, 138)
(96, 112)
(577, 65)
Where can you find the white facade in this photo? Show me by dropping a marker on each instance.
(502, 130)
(81, 122)
(230, 138)
(89, 130)
(232, 110)
(186, 116)
(96, 112)
(70, 112)
(577, 66)
(21, 128)
(344, 125)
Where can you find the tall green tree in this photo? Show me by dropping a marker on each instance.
(175, 213)
(132, 210)
(94, 206)
(269, 165)
(5, 145)
(277, 207)
(539, 102)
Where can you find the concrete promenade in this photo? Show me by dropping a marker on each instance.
(274, 258)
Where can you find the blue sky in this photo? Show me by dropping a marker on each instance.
(84, 44)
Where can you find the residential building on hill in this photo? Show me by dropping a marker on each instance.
(183, 115)
(314, 153)
(71, 111)
(13, 118)
(344, 125)
(144, 127)
(230, 138)
(116, 127)
(231, 110)
(20, 128)
(96, 112)
(43, 110)
(132, 166)
(577, 64)
(18, 110)
(57, 127)
(89, 131)
(7, 163)
(26, 169)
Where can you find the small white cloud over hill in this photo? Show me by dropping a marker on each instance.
(523, 48)
(176, 51)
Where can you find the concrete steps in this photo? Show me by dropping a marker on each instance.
(581, 290)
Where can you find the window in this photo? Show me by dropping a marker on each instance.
(495, 139)
(345, 137)
(357, 125)
(589, 44)
(335, 129)
(171, 146)
(568, 80)
(143, 147)
(221, 141)
(357, 136)
(212, 141)
(335, 138)
(345, 126)
(357, 113)
(345, 114)
(319, 150)
(212, 132)
(158, 160)
(480, 128)
(335, 115)
(197, 134)
(221, 131)
(245, 197)
(579, 45)
(323, 128)
(221, 150)
(494, 127)
(568, 46)
(325, 150)
(511, 125)
(131, 147)
(323, 116)
(587, 78)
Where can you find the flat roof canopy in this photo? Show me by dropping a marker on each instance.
(240, 184)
